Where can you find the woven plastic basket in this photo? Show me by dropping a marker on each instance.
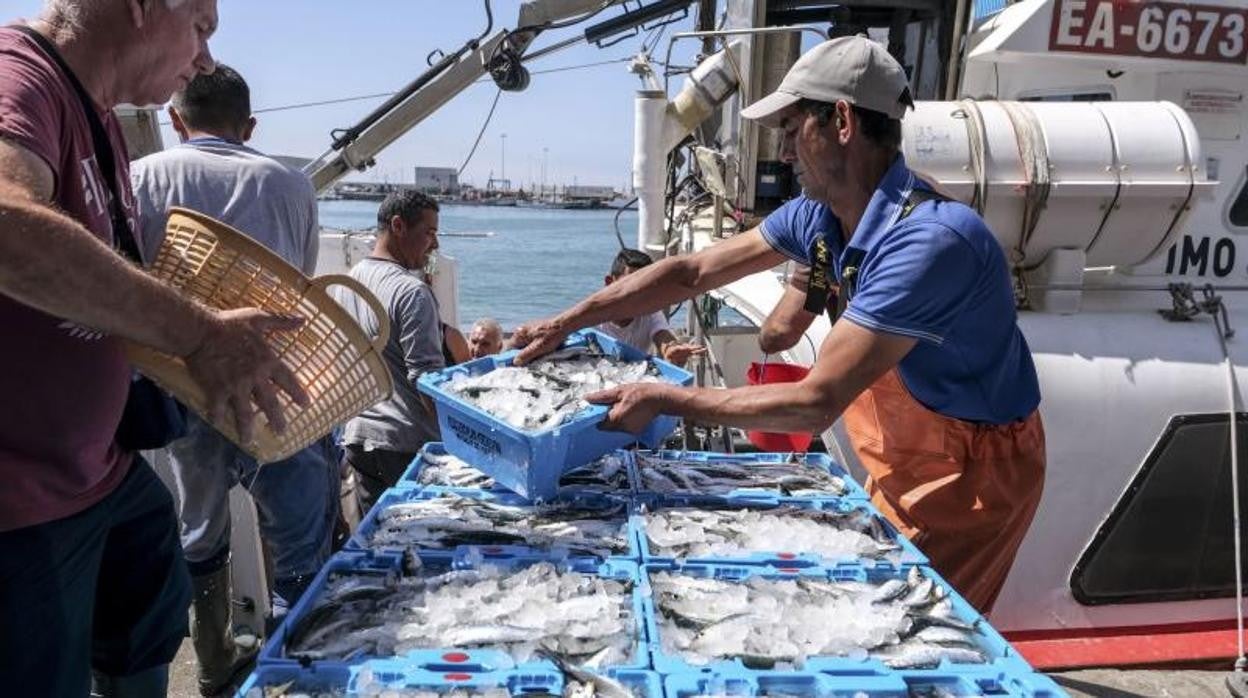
(339, 366)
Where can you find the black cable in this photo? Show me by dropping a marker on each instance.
(480, 133)
(379, 95)
(626, 207)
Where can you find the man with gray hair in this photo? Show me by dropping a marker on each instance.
(82, 516)
(213, 172)
(485, 338)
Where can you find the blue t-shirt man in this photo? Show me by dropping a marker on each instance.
(934, 273)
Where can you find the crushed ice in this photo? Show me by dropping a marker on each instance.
(683, 532)
(550, 391)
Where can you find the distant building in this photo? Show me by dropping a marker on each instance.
(586, 192)
(437, 180)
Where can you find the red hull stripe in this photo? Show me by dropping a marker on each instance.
(1135, 646)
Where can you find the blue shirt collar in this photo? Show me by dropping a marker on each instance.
(885, 206)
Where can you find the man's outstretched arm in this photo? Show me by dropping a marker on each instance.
(666, 282)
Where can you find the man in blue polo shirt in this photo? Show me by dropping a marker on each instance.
(925, 361)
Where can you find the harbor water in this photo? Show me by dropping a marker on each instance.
(535, 262)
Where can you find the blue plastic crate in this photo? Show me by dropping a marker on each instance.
(304, 679)
(819, 461)
(804, 684)
(1002, 658)
(411, 477)
(907, 556)
(402, 674)
(443, 674)
(360, 540)
(530, 463)
(488, 668)
(376, 564)
(274, 651)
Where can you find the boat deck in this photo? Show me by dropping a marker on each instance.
(1115, 683)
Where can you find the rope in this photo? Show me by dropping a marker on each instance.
(1033, 152)
(977, 137)
(1218, 311)
(1242, 660)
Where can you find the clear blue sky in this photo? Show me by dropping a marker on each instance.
(295, 51)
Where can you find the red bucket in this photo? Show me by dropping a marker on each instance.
(761, 374)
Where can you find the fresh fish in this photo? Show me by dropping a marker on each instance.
(762, 621)
(453, 520)
(584, 683)
(683, 532)
(723, 476)
(514, 610)
(891, 590)
(550, 391)
(920, 655)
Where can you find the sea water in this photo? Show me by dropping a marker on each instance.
(537, 263)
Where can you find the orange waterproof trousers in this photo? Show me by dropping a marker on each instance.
(965, 493)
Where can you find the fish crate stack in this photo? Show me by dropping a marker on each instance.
(634, 574)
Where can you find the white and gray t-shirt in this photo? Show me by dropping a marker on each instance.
(244, 188)
(639, 333)
(405, 421)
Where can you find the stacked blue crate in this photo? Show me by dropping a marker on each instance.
(899, 684)
(362, 540)
(1003, 662)
(817, 461)
(389, 565)
(906, 556)
(653, 673)
(531, 463)
(411, 478)
(440, 672)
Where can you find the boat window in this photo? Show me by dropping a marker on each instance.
(1095, 95)
(1169, 537)
(1238, 213)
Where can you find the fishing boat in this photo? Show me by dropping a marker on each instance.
(1104, 141)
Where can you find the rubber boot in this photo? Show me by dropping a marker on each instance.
(150, 683)
(221, 659)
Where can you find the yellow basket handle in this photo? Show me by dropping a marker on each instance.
(383, 318)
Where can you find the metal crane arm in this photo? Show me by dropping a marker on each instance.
(357, 147)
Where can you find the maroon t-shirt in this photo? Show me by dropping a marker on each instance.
(62, 385)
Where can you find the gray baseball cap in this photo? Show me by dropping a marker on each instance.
(853, 68)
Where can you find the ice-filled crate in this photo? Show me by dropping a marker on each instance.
(434, 467)
(497, 525)
(525, 427)
(781, 532)
(760, 475)
(842, 620)
(899, 684)
(497, 614)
